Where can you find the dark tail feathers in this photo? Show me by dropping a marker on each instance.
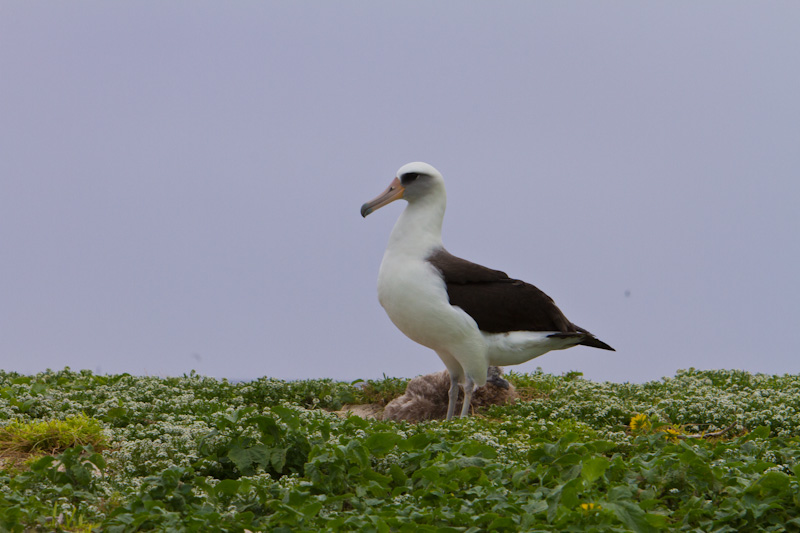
(587, 340)
(594, 342)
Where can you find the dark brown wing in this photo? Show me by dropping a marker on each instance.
(495, 301)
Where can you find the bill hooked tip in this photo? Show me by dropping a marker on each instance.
(392, 193)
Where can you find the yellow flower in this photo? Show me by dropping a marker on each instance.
(640, 422)
(590, 506)
(672, 433)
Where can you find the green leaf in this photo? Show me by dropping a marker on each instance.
(270, 430)
(771, 482)
(42, 464)
(431, 473)
(563, 495)
(569, 493)
(246, 459)
(117, 412)
(416, 442)
(379, 478)
(503, 522)
(568, 438)
(287, 416)
(357, 453)
(311, 510)
(381, 443)
(278, 459)
(398, 476)
(631, 515)
(478, 449)
(229, 487)
(761, 432)
(568, 459)
(97, 460)
(658, 521)
(593, 468)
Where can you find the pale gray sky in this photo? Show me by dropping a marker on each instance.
(180, 182)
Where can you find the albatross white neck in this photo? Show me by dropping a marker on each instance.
(419, 228)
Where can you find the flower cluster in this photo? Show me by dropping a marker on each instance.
(269, 454)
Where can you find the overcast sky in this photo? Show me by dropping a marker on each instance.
(180, 182)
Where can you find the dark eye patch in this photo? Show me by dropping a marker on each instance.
(408, 177)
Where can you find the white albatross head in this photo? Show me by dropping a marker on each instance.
(413, 181)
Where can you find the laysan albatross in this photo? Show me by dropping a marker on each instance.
(470, 315)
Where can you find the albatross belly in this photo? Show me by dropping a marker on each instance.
(415, 297)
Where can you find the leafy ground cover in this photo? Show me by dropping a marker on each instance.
(86, 452)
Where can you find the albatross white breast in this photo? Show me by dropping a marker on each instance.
(470, 315)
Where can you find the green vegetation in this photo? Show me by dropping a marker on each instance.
(123, 453)
(50, 436)
(380, 392)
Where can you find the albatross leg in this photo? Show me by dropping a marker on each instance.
(453, 397)
(469, 388)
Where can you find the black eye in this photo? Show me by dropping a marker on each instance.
(408, 177)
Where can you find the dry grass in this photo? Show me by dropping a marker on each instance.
(369, 410)
(526, 394)
(23, 441)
